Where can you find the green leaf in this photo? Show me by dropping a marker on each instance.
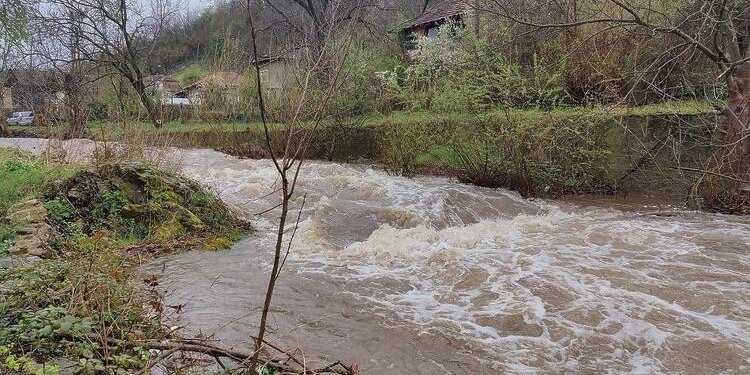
(65, 326)
(46, 331)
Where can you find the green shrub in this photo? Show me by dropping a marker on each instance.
(190, 75)
(530, 151)
(59, 210)
(401, 145)
(67, 309)
(460, 72)
(477, 158)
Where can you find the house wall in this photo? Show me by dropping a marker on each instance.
(215, 97)
(32, 97)
(279, 75)
(418, 31)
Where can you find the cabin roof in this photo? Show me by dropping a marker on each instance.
(220, 79)
(440, 11)
(170, 83)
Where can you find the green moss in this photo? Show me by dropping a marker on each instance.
(170, 196)
(191, 220)
(168, 229)
(133, 200)
(218, 243)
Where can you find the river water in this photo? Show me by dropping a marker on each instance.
(428, 276)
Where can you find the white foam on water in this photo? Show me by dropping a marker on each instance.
(605, 248)
(533, 287)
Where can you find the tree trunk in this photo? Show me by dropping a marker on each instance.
(5, 128)
(76, 120)
(76, 114)
(3, 122)
(151, 109)
(738, 131)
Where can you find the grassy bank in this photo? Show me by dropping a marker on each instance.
(82, 309)
(119, 130)
(568, 150)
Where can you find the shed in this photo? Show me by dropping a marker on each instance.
(427, 24)
(276, 72)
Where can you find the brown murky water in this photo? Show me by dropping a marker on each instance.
(427, 276)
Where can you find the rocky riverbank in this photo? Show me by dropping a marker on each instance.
(70, 245)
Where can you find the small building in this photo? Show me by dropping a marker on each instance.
(165, 89)
(427, 24)
(214, 89)
(32, 90)
(276, 72)
(164, 86)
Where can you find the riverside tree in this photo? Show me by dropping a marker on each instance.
(315, 23)
(13, 19)
(297, 136)
(118, 35)
(717, 30)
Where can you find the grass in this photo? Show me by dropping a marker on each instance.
(24, 176)
(107, 130)
(191, 74)
(118, 131)
(677, 107)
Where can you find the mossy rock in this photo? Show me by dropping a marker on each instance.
(218, 243)
(132, 199)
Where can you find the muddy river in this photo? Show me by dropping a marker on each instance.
(429, 276)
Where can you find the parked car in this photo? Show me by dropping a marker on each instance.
(21, 118)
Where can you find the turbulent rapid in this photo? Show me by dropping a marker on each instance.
(428, 276)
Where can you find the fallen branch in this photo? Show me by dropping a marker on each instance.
(717, 174)
(290, 365)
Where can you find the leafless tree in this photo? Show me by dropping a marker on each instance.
(119, 35)
(13, 19)
(5, 49)
(316, 21)
(288, 161)
(71, 79)
(718, 30)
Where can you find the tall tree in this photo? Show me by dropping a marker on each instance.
(717, 29)
(117, 34)
(318, 21)
(13, 19)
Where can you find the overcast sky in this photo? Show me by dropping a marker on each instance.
(197, 5)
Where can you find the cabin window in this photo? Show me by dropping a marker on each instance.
(432, 32)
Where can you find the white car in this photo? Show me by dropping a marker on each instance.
(21, 118)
